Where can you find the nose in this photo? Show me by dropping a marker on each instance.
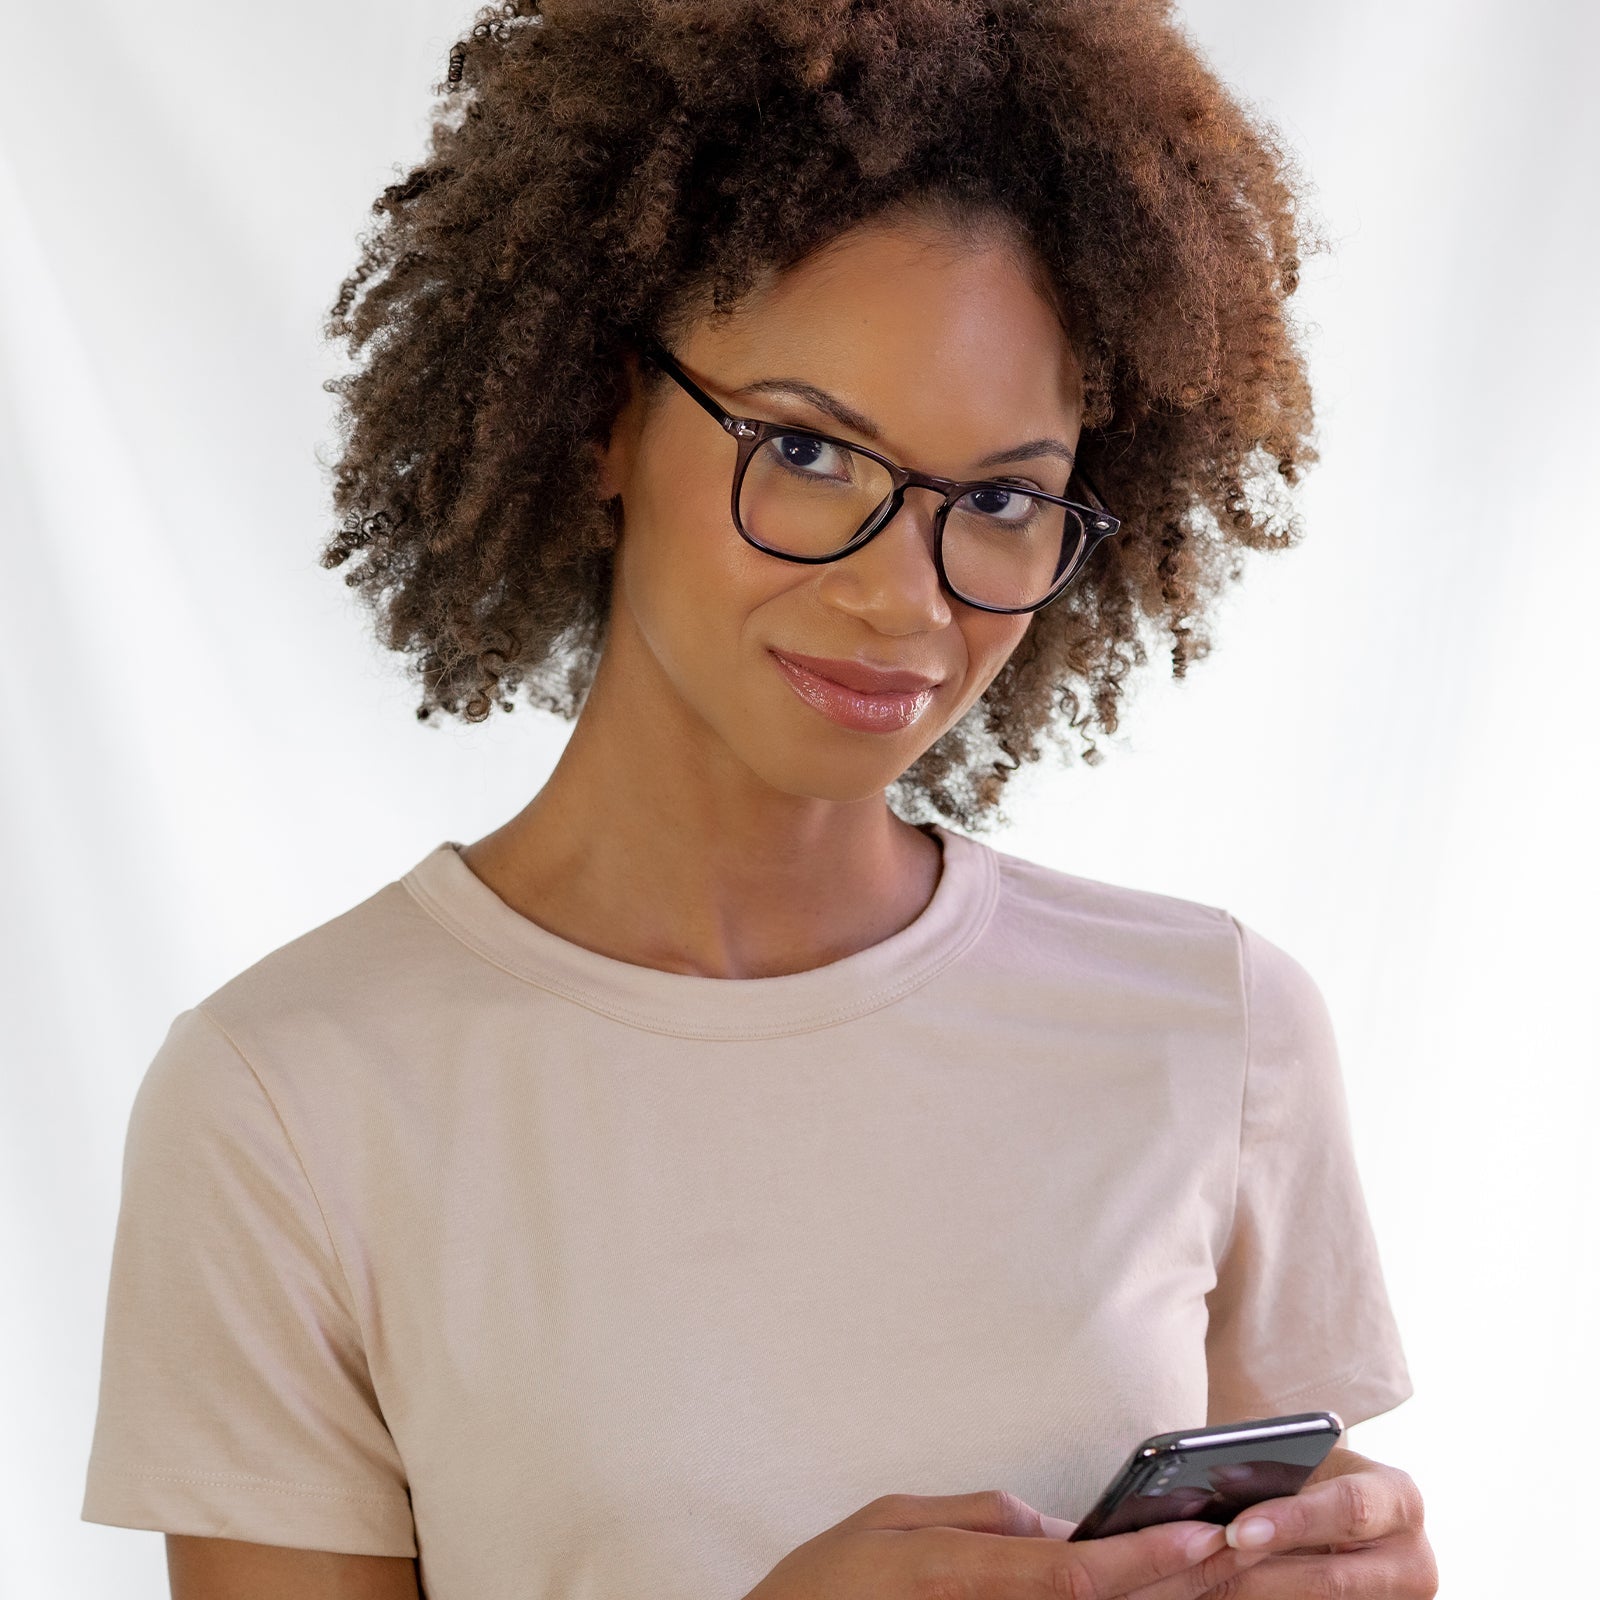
(891, 582)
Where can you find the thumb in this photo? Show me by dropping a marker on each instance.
(1055, 1527)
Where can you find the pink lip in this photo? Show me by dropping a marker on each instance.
(859, 676)
(894, 702)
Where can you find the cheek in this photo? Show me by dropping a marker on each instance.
(990, 640)
(691, 581)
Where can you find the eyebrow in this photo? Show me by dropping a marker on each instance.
(851, 418)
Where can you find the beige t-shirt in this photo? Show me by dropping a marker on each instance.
(441, 1235)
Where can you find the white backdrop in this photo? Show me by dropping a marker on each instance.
(1386, 767)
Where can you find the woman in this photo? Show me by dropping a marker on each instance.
(717, 1181)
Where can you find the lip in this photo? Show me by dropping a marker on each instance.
(893, 702)
(859, 676)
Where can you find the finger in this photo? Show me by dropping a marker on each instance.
(1181, 1556)
(982, 1565)
(1354, 1508)
(985, 1510)
(1383, 1572)
(1217, 1576)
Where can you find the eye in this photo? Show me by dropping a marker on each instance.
(996, 503)
(809, 459)
(809, 456)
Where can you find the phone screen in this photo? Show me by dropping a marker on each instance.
(1212, 1474)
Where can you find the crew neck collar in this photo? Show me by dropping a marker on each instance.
(692, 1006)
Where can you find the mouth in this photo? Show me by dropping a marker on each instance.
(874, 701)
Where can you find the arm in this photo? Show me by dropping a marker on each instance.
(233, 1569)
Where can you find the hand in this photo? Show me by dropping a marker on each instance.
(993, 1546)
(1354, 1529)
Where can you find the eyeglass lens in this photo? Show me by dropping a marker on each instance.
(806, 496)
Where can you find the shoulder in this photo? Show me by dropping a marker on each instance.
(1042, 908)
(343, 989)
(1038, 891)
(336, 960)
(1286, 1012)
(1144, 940)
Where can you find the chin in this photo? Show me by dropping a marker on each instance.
(840, 780)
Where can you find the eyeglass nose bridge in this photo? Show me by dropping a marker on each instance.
(905, 479)
(901, 479)
(886, 513)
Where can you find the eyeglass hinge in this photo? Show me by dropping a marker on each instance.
(743, 429)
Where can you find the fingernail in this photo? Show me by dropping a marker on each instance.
(1055, 1527)
(1251, 1531)
(1204, 1544)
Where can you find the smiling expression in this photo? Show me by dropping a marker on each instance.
(830, 680)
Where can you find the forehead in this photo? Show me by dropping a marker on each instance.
(936, 338)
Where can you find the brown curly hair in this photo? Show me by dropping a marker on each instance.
(602, 166)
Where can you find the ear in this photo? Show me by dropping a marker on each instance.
(614, 457)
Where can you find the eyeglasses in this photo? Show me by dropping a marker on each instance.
(806, 496)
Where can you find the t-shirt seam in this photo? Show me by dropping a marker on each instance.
(311, 1188)
(877, 1000)
(272, 1485)
(1245, 974)
(1285, 1396)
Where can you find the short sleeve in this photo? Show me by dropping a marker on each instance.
(1300, 1318)
(235, 1399)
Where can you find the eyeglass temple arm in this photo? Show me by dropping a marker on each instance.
(657, 353)
(1099, 500)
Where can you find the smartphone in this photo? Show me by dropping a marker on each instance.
(1212, 1474)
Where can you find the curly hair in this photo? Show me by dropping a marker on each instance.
(597, 167)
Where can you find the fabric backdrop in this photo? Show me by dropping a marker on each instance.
(1386, 766)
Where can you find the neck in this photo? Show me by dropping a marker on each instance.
(652, 844)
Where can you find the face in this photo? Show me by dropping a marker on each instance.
(949, 352)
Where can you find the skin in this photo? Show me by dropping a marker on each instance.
(703, 818)
(1355, 1529)
(236, 1569)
